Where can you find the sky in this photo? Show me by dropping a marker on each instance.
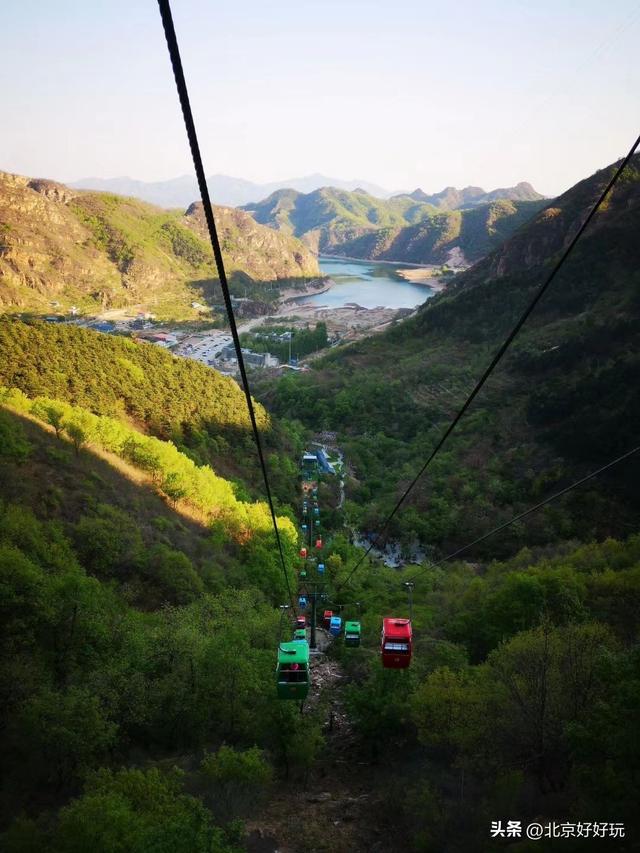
(407, 93)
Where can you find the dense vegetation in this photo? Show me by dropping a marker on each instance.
(303, 341)
(402, 228)
(130, 633)
(522, 702)
(201, 412)
(99, 251)
(139, 588)
(562, 403)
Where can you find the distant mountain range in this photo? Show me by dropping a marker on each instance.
(454, 226)
(453, 199)
(225, 190)
(238, 192)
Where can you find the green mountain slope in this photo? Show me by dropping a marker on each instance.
(403, 228)
(563, 402)
(129, 633)
(96, 251)
(202, 412)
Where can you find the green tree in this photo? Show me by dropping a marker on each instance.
(238, 780)
(133, 811)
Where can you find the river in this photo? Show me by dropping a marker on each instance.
(368, 284)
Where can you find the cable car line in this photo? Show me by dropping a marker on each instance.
(183, 94)
(498, 355)
(526, 512)
(293, 678)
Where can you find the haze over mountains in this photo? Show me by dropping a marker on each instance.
(236, 192)
(225, 190)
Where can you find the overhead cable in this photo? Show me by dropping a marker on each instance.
(183, 94)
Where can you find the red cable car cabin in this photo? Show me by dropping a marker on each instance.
(396, 643)
(303, 552)
(318, 543)
(327, 618)
(301, 622)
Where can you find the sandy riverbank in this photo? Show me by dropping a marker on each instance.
(424, 276)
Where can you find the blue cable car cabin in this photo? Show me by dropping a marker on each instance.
(335, 626)
(321, 568)
(302, 602)
(293, 678)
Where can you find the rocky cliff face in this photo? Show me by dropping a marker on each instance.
(92, 250)
(553, 228)
(273, 255)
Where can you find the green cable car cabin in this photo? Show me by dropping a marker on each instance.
(299, 634)
(352, 633)
(293, 678)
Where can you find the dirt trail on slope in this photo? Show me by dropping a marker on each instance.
(334, 809)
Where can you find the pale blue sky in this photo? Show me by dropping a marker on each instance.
(405, 93)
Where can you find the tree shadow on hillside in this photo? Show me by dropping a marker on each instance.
(60, 485)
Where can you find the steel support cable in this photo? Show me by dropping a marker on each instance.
(183, 94)
(526, 512)
(498, 356)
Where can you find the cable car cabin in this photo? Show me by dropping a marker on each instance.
(316, 510)
(303, 552)
(304, 527)
(302, 602)
(303, 573)
(321, 568)
(300, 634)
(318, 543)
(352, 633)
(335, 626)
(292, 674)
(304, 510)
(301, 622)
(327, 618)
(396, 643)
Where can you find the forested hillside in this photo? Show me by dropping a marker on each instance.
(98, 251)
(402, 228)
(129, 632)
(521, 703)
(562, 403)
(202, 412)
(141, 585)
